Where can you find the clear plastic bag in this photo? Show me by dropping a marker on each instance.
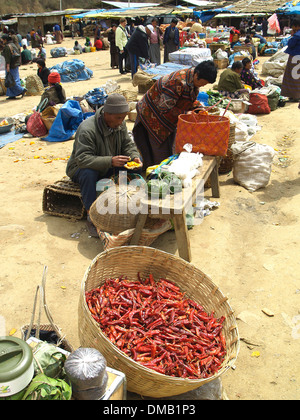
(86, 370)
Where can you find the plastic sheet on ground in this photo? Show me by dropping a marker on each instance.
(72, 71)
(165, 69)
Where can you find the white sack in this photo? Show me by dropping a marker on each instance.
(252, 164)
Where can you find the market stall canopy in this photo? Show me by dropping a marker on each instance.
(201, 3)
(206, 15)
(124, 4)
(130, 12)
(256, 6)
(290, 8)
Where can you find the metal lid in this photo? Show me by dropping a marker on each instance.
(15, 358)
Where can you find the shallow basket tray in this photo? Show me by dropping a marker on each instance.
(128, 261)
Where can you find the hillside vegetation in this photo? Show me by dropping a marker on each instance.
(39, 6)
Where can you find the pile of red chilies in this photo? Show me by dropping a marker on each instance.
(154, 324)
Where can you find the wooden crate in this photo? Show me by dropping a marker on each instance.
(222, 64)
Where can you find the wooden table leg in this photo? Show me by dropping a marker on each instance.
(214, 179)
(138, 229)
(182, 236)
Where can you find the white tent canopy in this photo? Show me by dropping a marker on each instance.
(125, 4)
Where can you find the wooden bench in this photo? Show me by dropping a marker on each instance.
(173, 206)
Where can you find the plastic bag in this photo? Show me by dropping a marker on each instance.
(86, 369)
(48, 359)
(9, 80)
(252, 164)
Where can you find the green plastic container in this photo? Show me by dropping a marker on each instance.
(16, 365)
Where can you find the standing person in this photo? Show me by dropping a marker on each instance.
(42, 52)
(97, 33)
(102, 145)
(137, 46)
(158, 110)
(12, 66)
(171, 39)
(291, 78)
(43, 71)
(251, 24)
(114, 55)
(264, 27)
(155, 36)
(14, 39)
(121, 42)
(58, 34)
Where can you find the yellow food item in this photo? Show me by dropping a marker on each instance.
(132, 164)
(4, 122)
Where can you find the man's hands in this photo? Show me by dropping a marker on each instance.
(119, 161)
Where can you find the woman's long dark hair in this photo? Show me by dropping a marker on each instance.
(59, 92)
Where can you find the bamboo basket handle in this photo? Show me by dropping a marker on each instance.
(47, 311)
(33, 316)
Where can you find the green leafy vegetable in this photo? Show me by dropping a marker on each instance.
(44, 388)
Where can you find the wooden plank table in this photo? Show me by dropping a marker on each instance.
(174, 206)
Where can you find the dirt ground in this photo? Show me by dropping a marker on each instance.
(249, 246)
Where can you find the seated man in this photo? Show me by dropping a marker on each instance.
(230, 81)
(102, 145)
(26, 55)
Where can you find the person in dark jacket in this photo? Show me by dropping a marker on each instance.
(26, 55)
(12, 64)
(137, 46)
(114, 54)
(43, 71)
(291, 78)
(171, 39)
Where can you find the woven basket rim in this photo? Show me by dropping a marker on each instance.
(174, 380)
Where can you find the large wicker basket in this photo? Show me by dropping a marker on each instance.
(128, 261)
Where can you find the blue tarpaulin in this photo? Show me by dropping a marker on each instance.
(290, 8)
(72, 71)
(206, 15)
(68, 119)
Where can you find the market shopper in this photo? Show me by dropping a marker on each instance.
(12, 65)
(158, 110)
(102, 145)
(155, 35)
(171, 39)
(113, 50)
(291, 78)
(121, 42)
(137, 47)
(230, 84)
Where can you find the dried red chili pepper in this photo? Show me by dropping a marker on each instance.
(155, 324)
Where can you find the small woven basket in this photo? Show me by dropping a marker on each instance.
(128, 261)
(117, 221)
(63, 199)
